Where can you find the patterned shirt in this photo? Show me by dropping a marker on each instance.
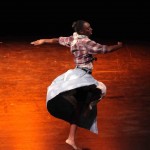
(83, 49)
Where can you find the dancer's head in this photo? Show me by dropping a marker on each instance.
(82, 27)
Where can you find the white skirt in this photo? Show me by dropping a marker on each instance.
(76, 83)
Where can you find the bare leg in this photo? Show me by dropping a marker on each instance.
(71, 137)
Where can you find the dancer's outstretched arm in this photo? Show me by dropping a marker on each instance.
(43, 41)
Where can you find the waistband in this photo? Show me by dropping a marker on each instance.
(87, 70)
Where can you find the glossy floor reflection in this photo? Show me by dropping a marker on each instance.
(123, 115)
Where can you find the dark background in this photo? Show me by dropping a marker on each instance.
(109, 19)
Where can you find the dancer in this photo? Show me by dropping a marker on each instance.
(73, 95)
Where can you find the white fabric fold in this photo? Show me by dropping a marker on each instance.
(76, 36)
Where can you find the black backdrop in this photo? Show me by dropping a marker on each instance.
(109, 19)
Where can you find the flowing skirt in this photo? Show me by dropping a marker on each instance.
(70, 95)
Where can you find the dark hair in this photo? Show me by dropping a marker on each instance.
(78, 25)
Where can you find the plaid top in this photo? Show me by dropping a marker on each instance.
(83, 49)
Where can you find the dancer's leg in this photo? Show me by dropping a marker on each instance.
(71, 137)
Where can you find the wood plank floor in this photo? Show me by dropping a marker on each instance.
(123, 115)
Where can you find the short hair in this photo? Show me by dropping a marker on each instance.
(78, 25)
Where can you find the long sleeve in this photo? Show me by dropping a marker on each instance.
(95, 48)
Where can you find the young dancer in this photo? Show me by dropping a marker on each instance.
(73, 95)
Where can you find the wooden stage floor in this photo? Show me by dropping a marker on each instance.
(123, 115)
